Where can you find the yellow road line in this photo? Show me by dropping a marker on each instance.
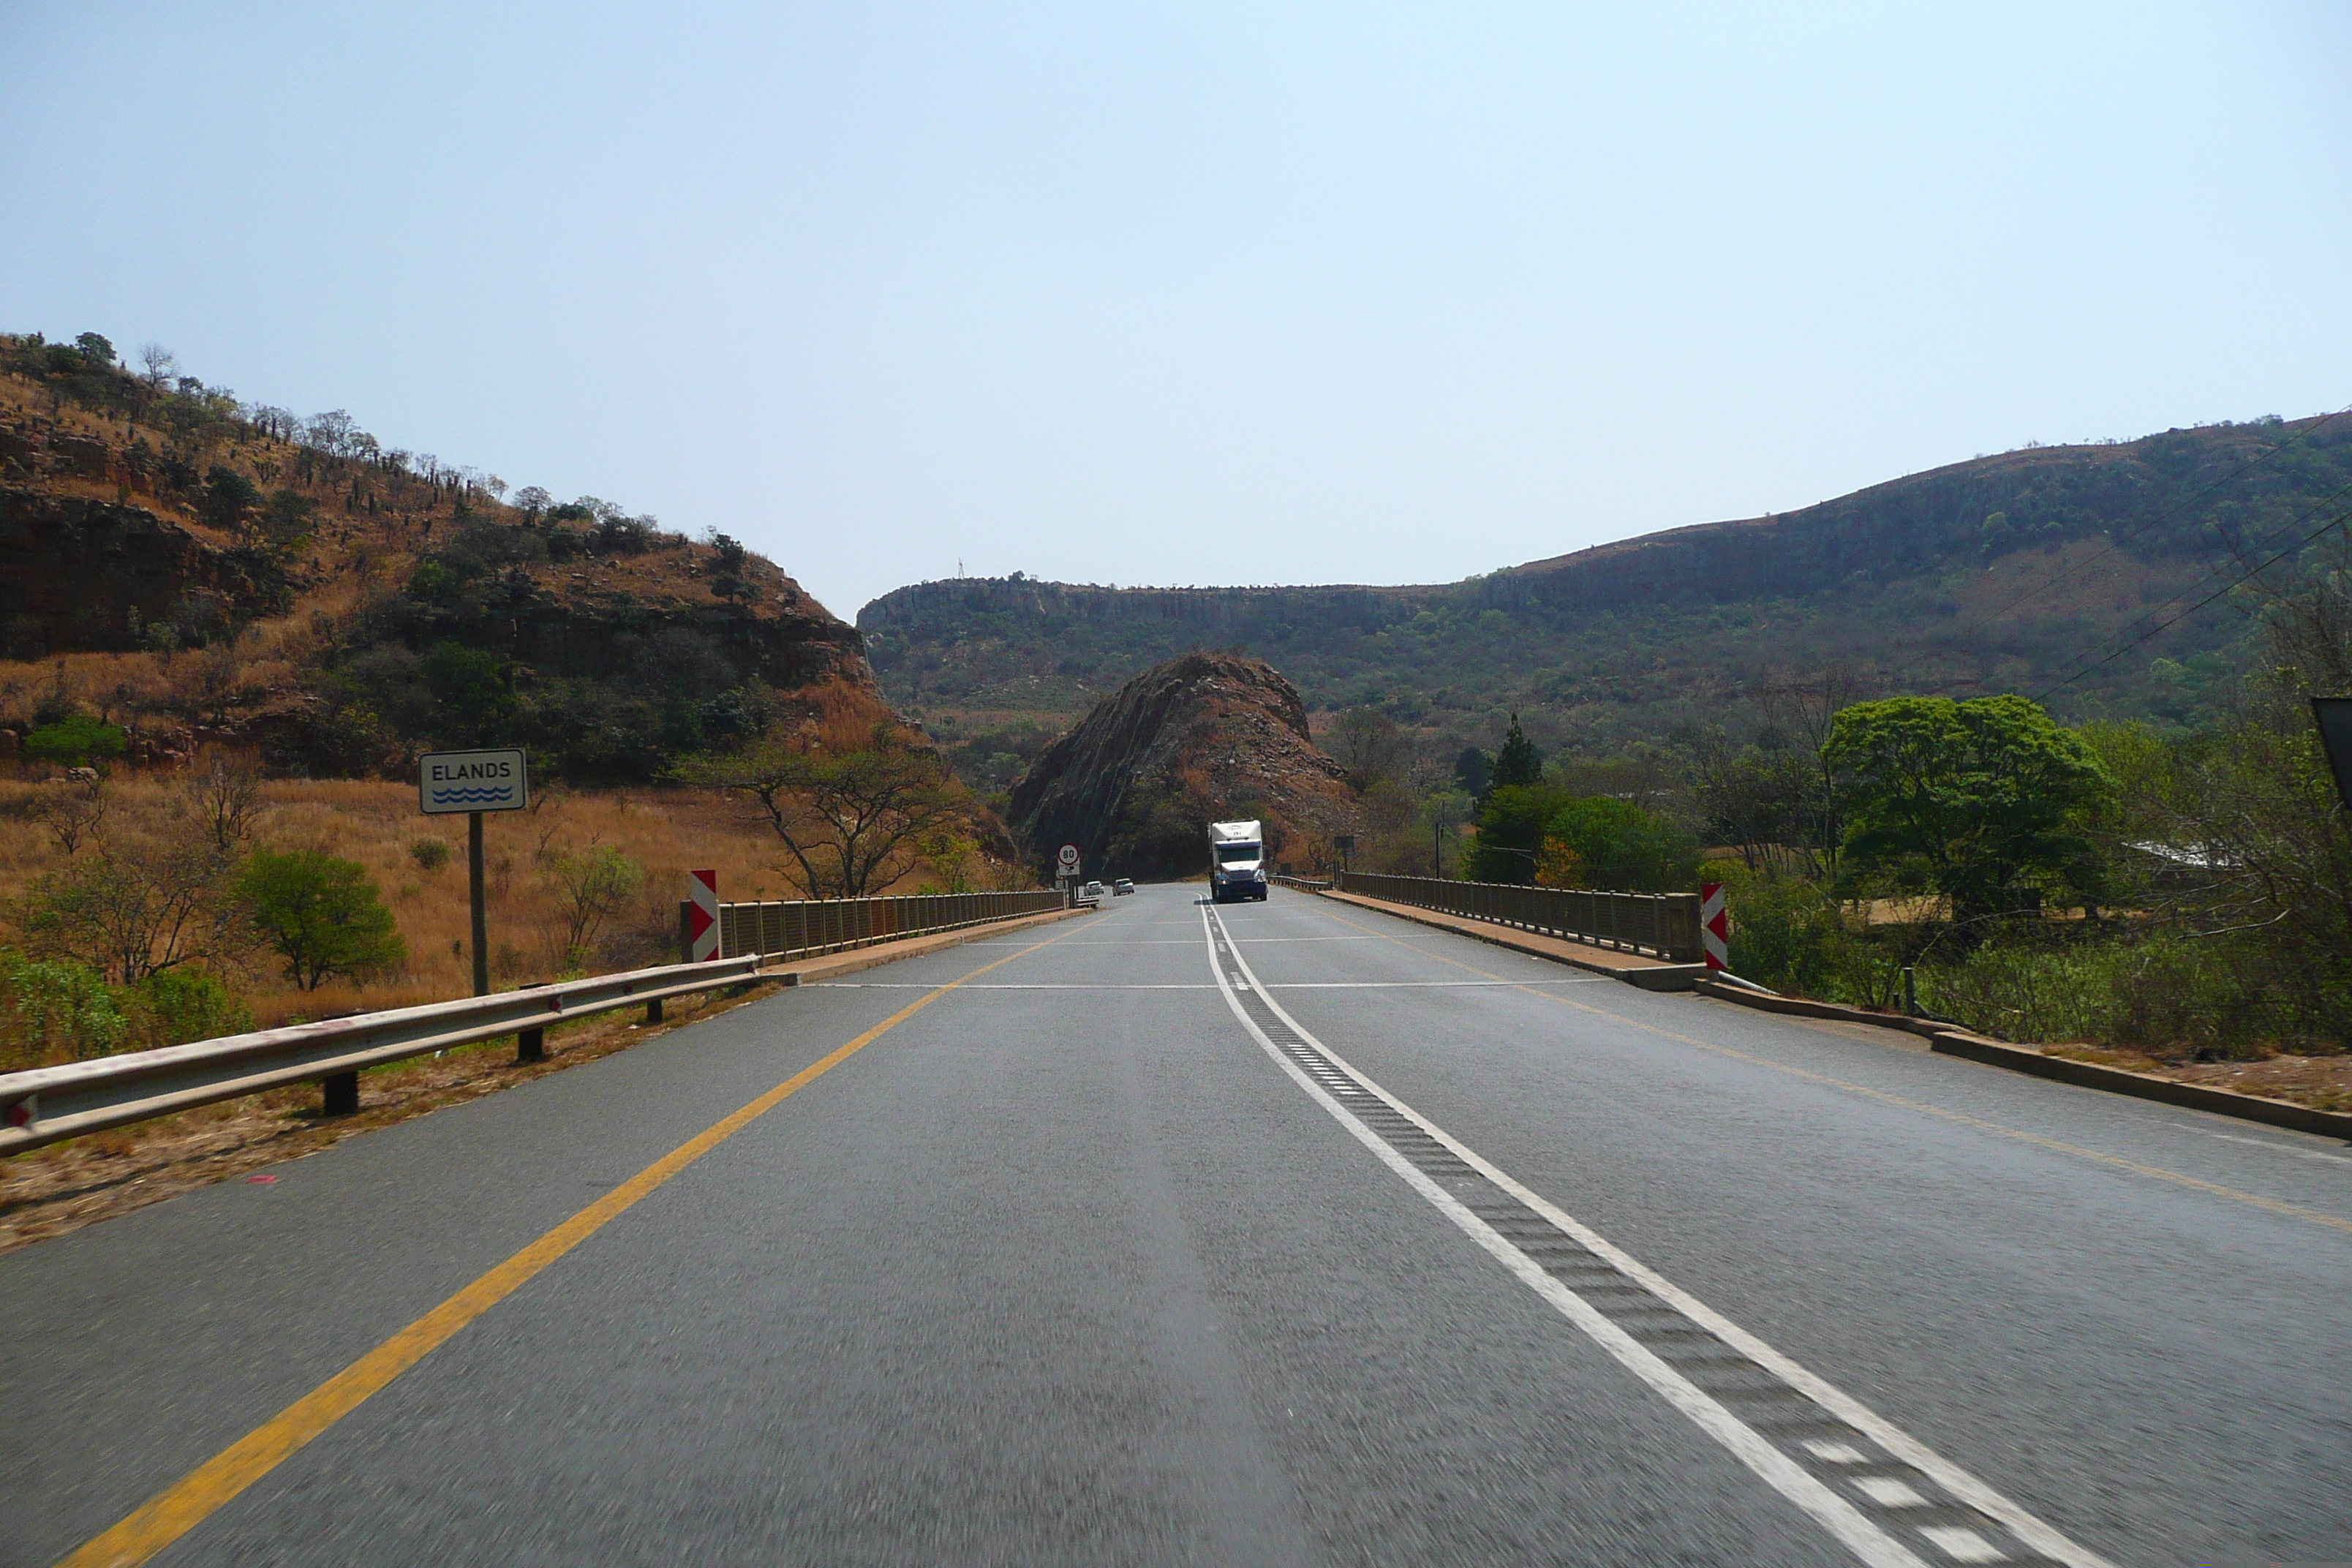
(180, 1508)
(2274, 1205)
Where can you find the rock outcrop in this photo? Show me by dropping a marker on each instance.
(1200, 739)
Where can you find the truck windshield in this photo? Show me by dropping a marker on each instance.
(1229, 853)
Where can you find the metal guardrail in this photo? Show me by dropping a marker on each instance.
(810, 926)
(45, 1105)
(1664, 925)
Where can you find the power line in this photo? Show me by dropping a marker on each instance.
(2251, 571)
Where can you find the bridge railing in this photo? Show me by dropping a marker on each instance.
(811, 926)
(1664, 925)
(1300, 884)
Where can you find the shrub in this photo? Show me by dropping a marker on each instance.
(2167, 995)
(58, 1006)
(180, 1004)
(430, 854)
(322, 915)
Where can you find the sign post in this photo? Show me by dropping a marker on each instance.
(702, 917)
(473, 783)
(1066, 871)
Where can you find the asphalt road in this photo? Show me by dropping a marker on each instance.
(1334, 1241)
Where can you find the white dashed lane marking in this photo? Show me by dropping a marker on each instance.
(1795, 1430)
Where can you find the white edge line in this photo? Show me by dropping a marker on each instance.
(2030, 1529)
(1840, 1518)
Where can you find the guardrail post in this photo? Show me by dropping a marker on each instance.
(653, 1011)
(339, 1094)
(531, 1045)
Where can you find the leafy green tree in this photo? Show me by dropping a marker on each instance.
(230, 498)
(74, 742)
(320, 914)
(1986, 800)
(1518, 764)
(96, 350)
(1511, 824)
(1614, 845)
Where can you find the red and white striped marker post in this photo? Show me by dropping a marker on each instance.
(702, 921)
(1714, 925)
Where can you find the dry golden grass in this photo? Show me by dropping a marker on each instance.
(376, 823)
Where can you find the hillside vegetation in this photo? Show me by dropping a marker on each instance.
(2004, 574)
(192, 569)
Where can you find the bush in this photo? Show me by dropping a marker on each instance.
(56, 1008)
(322, 915)
(1785, 934)
(177, 1006)
(430, 854)
(2167, 995)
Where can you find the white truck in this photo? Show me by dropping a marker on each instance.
(1236, 861)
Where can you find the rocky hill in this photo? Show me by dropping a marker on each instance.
(1200, 739)
(197, 569)
(2005, 572)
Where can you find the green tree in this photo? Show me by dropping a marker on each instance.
(1473, 771)
(96, 349)
(75, 741)
(230, 498)
(286, 522)
(1511, 824)
(320, 914)
(1986, 800)
(1616, 845)
(1518, 763)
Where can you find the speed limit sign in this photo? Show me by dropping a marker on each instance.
(1069, 859)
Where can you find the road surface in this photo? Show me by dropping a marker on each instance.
(1282, 1233)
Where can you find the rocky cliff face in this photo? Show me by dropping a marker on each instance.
(1200, 739)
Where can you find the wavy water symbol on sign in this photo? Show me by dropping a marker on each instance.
(444, 796)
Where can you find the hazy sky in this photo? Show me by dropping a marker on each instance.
(1196, 294)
